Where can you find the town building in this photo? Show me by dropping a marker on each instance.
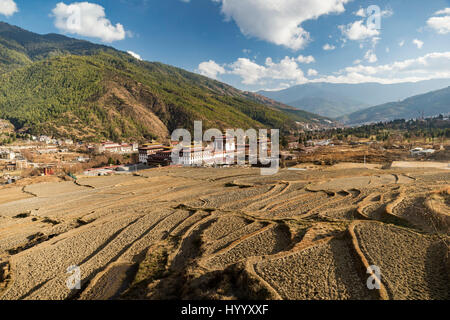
(161, 157)
(47, 140)
(10, 167)
(7, 155)
(66, 142)
(222, 144)
(82, 159)
(119, 148)
(147, 150)
(221, 151)
(47, 150)
(321, 143)
(104, 171)
(195, 156)
(21, 164)
(421, 152)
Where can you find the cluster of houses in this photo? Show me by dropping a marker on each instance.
(118, 148)
(50, 140)
(12, 161)
(220, 151)
(12, 158)
(217, 152)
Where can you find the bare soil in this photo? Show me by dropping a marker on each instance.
(185, 233)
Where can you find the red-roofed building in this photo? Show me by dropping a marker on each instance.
(148, 150)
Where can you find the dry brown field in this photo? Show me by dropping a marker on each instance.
(187, 233)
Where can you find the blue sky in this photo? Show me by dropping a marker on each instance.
(261, 44)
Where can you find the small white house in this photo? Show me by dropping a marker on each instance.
(119, 148)
(7, 155)
(421, 152)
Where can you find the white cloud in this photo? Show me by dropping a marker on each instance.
(87, 19)
(358, 30)
(328, 47)
(442, 23)
(360, 13)
(418, 43)
(370, 56)
(387, 13)
(278, 22)
(401, 43)
(307, 60)
(134, 55)
(282, 86)
(312, 73)
(286, 73)
(249, 71)
(364, 29)
(253, 73)
(444, 11)
(431, 66)
(210, 69)
(375, 41)
(8, 7)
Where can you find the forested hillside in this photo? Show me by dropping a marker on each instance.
(19, 47)
(64, 87)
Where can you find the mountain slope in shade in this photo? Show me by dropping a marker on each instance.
(298, 114)
(329, 107)
(65, 87)
(334, 100)
(429, 104)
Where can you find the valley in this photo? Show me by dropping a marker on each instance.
(364, 103)
(93, 205)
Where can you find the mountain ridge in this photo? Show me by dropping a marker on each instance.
(343, 99)
(61, 86)
(429, 104)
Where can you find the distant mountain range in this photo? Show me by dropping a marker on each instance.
(430, 104)
(336, 100)
(56, 85)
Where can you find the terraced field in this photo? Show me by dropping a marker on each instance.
(184, 233)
